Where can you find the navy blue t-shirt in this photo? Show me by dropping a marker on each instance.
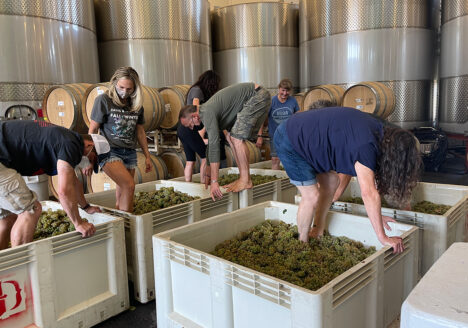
(336, 138)
(280, 112)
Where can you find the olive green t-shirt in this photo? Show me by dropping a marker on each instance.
(220, 113)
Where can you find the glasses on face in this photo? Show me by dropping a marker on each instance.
(89, 151)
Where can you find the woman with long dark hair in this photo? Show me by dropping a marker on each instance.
(193, 140)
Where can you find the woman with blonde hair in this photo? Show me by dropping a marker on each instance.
(118, 115)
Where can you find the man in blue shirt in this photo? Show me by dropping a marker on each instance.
(314, 146)
(283, 106)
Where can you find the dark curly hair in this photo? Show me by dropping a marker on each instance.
(399, 165)
(208, 82)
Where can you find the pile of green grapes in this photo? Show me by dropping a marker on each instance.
(144, 202)
(53, 223)
(273, 248)
(422, 207)
(256, 179)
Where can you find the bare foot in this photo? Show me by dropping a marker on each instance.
(315, 233)
(239, 185)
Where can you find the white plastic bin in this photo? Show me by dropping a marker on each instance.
(65, 281)
(280, 190)
(265, 165)
(38, 184)
(140, 228)
(196, 289)
(438, 232)
(440, 299)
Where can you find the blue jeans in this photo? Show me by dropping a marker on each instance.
(127, 156)
(299, 171)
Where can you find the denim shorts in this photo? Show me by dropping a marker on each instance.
(299, 171)
(125, 155)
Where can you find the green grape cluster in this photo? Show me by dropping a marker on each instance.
(422, 207)
(53, 223)
(257, 179)
(148, 201)
(273, 248)
(430, 208)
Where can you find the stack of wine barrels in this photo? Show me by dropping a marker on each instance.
(70, 105)
(174, 100)
(371, 97)
(254, 154)
(329, 92)
(100, 182)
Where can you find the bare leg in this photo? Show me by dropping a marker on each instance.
(328, 184)
(188, 170)
(344, 181)
(244, 181)
(275, 163)
(202, 170)
(305, 213)
(24, 226)
(5, 229)
(124, 180)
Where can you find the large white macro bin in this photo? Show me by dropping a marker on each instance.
(440, 299)
(438, 232)
(197, 289)
(280, 190)
(65, 280)
(140, 228)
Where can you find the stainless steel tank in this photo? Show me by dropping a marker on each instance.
(256, 42)
(167, 42)
(349, 41)
(45, 42)
(453, 114)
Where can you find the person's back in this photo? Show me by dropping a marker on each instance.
(30, 146)
(335, 138)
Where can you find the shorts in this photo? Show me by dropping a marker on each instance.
(15, 196)
(125, 155)
(253, 114)
(299, 171)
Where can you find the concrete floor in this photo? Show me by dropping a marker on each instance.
(144, 315)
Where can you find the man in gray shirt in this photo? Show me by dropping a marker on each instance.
(240, 109)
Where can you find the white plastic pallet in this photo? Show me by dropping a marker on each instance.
(140, 228)
(197, 289)
(65, 280)
(438, 232)
(440, 300)
(280, 190)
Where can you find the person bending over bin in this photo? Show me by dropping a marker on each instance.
(314, 146)
(240, 109)
(32, 148)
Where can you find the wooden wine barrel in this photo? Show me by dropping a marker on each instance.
(101, 181)
(62, 106)
(254, 154)
(174, 99)
(153, 104)
(371, 97)
(175, 162)
(53, 182)
(330, 92)
(300, 100)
